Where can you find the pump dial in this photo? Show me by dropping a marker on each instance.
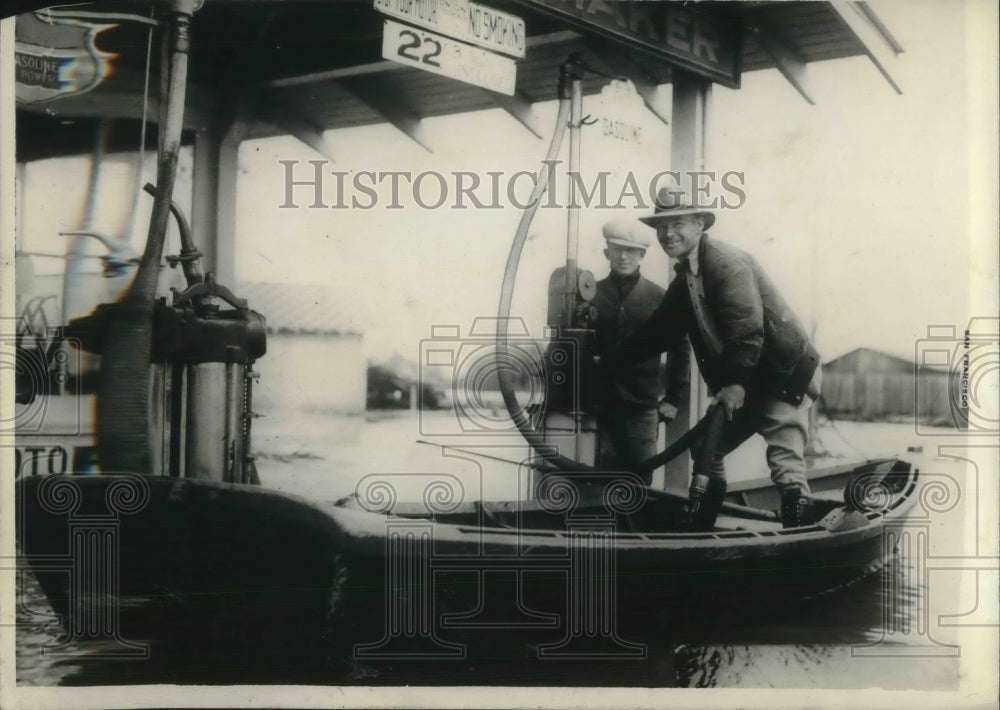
(586, 285)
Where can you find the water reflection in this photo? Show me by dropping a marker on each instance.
(844, 639)
(800, 646)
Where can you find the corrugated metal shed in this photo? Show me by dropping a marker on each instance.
(871, 385)
(869, 361)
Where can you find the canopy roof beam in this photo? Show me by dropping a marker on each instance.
(323, 90)
(786, 59)
(387, 104)
(295, 124)
(880, 46)
(520, 108)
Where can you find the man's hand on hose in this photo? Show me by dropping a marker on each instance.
(731, 397)
(666, 411)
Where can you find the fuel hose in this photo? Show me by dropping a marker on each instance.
(124, 442)
(534, 438)
(504, 368)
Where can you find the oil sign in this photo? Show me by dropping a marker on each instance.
(56, 56)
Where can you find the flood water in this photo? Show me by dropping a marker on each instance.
(882, 632)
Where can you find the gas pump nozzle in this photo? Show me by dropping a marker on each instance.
(708, 484)
(696, 494)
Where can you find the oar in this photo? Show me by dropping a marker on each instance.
(537, 465)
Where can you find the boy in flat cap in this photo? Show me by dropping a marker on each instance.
(751, 350)
(629, 395)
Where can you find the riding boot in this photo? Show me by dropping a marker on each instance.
(796, 508)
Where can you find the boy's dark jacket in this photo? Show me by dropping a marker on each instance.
(636, 382)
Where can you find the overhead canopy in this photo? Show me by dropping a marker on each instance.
(304, 66)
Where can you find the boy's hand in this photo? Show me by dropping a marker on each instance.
(666, 411)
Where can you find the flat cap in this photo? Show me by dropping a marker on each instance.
(623, 233)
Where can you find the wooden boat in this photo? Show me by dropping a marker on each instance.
(197, 565)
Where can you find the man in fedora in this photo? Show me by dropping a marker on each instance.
(751, 350)
(629, 395)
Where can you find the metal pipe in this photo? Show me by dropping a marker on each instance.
(141, 154)
(573, 209)
(190, 257)
(571, 286)
(164, 86)
(178, 402)
(229, 463)
(144, 288)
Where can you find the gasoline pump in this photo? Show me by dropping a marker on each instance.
(204, 343)
(567, 414)
(569, 359)
(175, 383)
(569, 363)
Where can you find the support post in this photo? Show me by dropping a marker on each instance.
(220, 251)
(205, 215)
(20, 175)
(691, 97)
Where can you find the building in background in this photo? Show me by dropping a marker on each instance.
(870, 385)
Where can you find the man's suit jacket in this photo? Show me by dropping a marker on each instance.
(764, 346)
(635, 383)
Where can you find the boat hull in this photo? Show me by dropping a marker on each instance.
(206, 569)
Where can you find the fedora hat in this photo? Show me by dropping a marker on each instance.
(621, 233)
(672, 202)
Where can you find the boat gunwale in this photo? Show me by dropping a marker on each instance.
(748, 543)
(363, 525)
